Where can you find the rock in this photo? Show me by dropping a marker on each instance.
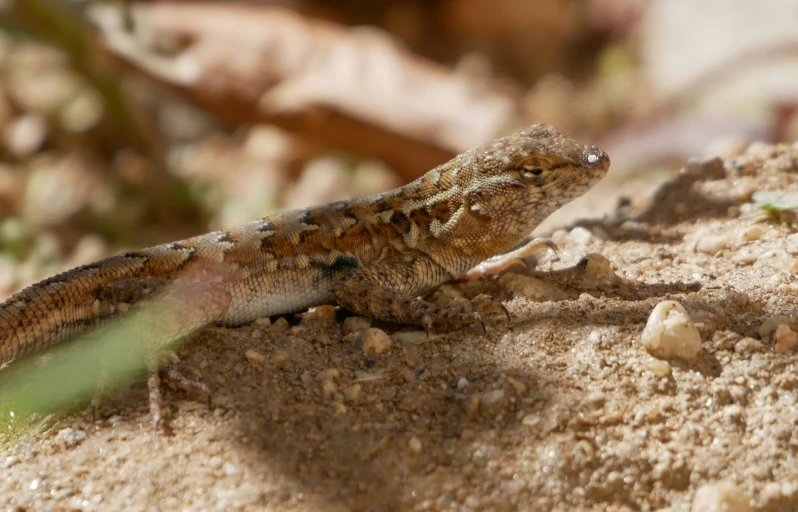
(374, 341)
(356, 324)
(671, 333)
(322, 316)
(255, 357)
(712, 244)
(721, 497)
(414, 444)
(786, 339)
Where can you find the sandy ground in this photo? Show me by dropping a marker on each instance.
(565, 410)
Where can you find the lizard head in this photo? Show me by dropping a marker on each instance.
(510, 185)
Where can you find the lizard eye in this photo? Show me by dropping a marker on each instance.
(531, 174)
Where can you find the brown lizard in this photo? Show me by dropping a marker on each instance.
(374, 256)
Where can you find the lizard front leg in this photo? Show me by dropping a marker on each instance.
(366, 297)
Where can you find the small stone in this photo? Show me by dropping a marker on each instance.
(792, 244)
(462, 382)
(352, 393)
(280, 355)
(279, 326)
(712, 244)
(753, 232)
(492, 400)
(670, 332)
(414, 444)
(721, 497)
(328, 375)
(580, 235)
(518, 386)
(305, 377)
(255, 357)
(530, 420)
(257, 334)
(769, 326)
(70, 438)
(323, 316)
(748, 346)
(659, 368)
(263, 321)
(356, 324)
(338, 408)
(374, 341)
(471, 405)
(786, 339)
(329, 389)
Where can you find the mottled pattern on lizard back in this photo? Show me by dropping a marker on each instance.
(373, 255)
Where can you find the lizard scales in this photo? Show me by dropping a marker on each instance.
(373, 255)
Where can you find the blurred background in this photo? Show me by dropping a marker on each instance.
(131, 123)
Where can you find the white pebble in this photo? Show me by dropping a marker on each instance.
(462, 382)
(414, 444)
(581, 236)
(753, 232)
(255, 357)
(712, 244)
(670, 332)
(721, 497)
(374, 341)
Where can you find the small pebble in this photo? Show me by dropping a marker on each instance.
(329, 389)
(255, 357)
(712, 244)
(356, 324)
(263, 321)
(748, 346)
(518, 386)
(279, 325)
(328, 375)
(670, 332)
(769, 326)
(753, 232)
(721, 497)
(414, 444)
(374, 341)
(471, 405)
(321, 316)
(280, 356)
(659, 368)
(353, 392)
(492, 400)
(257, 333)
(786, 339)
(580, 235)
(462, 382)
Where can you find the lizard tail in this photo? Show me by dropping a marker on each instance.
(78, 300)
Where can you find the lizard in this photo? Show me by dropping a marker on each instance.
(375, 256)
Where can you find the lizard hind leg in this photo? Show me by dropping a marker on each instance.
(384, 303)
